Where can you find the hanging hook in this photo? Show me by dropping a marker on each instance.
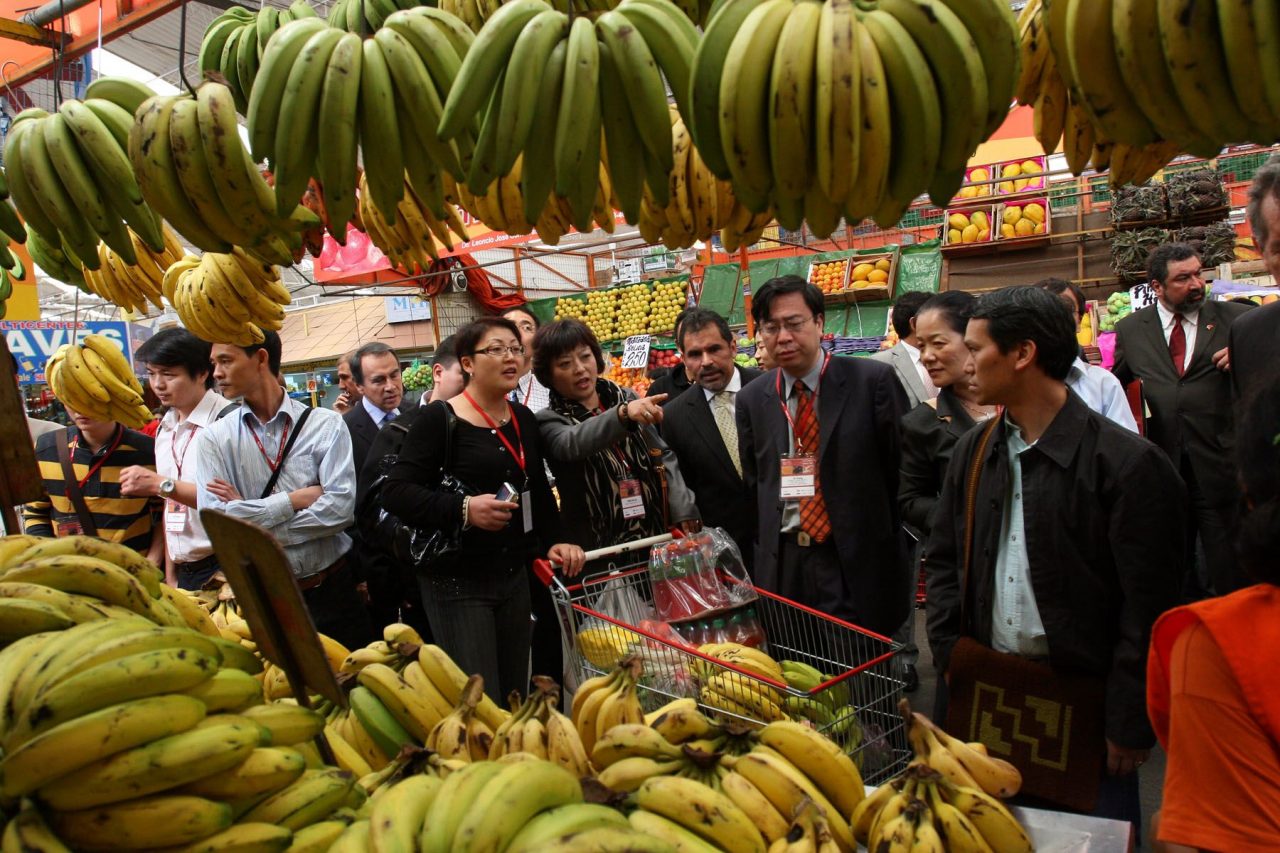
(4, 78)
(182, 48)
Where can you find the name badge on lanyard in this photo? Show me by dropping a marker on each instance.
(175, 517)
(798, 477)
(526, 509)
(632, 497)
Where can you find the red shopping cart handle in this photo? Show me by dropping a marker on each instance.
(546, 570)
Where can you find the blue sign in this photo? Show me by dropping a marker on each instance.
(33, 342)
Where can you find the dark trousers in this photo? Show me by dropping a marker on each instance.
(1210, 519)
(482, 621)
(337, 611)
(393, 594)
(905, 635)
(196, 574)
(548, 654)
(812, 575)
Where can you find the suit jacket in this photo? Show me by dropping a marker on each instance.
(929, 435)
(1255, 350)
(1190, 414)
(1103, 512)
(860, 405)
(672, 383)
(363, 431)
(689, 428)
(900, 360)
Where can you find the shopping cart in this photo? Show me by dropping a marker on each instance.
(856, 704)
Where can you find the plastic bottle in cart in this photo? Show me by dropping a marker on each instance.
(660, 581)
(738, 631)
(754, 630)
(720, 632)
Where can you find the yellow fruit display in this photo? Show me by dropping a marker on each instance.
(884, 264)
(959, 220)
(1031, 167)
(1006, 230)
(1012, 214)
(969, 234)
(980, 219)
(1034, 211)
(1026, 220)
(979, 174)
(829, 276)
(879, 276)
(1024, 227)
(861, 271)
(1012, 170)
(954, 236)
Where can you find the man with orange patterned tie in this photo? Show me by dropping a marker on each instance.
(819, 441)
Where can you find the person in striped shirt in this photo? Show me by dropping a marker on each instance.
(98, 451)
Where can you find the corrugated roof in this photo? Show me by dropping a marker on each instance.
(324, 333)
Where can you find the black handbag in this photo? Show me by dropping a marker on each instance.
(412, 546)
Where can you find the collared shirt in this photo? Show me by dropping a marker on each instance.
(130, 521)
(313, 538)
(380, 418)
(1190, 321)
(531, 393)
(791, 509)
(1102, 392)
(176, 460)
(1016, 627)
(925, 379)
(734, 386)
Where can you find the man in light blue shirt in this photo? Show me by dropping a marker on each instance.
(312, 501)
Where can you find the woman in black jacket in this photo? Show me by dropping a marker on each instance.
(931, 429)
(477, 598)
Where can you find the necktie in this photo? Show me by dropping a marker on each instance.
(813, 511)
(1178, 345)
(387, 418)
(722, 408)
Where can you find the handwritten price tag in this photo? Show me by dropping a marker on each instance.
(635, 352)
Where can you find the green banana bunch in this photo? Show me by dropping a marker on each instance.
(234, 43)
(364, 17)
(11, 229)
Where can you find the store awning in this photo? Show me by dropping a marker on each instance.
(327, 331)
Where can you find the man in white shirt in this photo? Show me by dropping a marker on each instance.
(529, 391)
(178, 371)
(904, 357)
(1178, 348)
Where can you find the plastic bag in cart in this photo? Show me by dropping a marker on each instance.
(603, 643)
(697, 575)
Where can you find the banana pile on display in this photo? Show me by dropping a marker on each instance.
(381, 96)
(70, 177)
(751, 699)
(828, 706)
(1100, 88)
(835, 108)
(460, 734)
(226, 298)
(234, 42)
(194, 171)
(538, 728)
(503, 206)
(532, 84)
(56, 261)
(11, 228)
(417, 237)
(132, 286)
(606, 701)
(94, 379)
(691, 816)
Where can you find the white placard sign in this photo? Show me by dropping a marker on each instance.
(635, 352)
(1141, 295)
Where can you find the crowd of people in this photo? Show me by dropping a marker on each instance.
(1054, 517)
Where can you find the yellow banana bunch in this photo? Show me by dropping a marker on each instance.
(419, 231)
(227, 298)
(94, 378)
(960, 762)
(607, 701)
(132, 286)
(605, 644)
(680, 721)
(460, 734)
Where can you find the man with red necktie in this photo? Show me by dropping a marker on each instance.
(1178, 348)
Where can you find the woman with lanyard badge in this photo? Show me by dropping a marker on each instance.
(477, 597)
(598, 438)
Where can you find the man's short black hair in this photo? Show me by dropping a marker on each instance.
(1161, 256)
(905, 310)
(178, 348)
(357, 360)
(556, 339)
(521, 309)
(781, 286)
(446, 354)
(1029, 313)
(955, 306)
(273, 347)
(697, 319)
(1059, 286)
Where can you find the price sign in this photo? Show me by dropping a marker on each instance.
(635, 352)
(1141, 295)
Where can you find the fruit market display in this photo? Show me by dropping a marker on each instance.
(230, 298)
(417, 376)
(968, 227)
(635, 378)
(234, 41)
(94, 378)
(417, 236)
(1119, 306)
(634, 309)
(1019, 177)
(663, 358)
(976, 175)
(11, 228)
(667, 300)
(1137, 204)
(947, 799)
(55, 260)
(870, 273)
(133, 285)
(1215, 244)
(1194, 190)
(1024, 220)
(1084, 334)
(829, 276)
(867, 105)
(1129, 251)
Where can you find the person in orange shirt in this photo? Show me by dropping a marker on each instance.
(1212, 694)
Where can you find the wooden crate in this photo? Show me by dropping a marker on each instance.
(975, 248)
(1039, 185)
(868, 293)
(1029, 240)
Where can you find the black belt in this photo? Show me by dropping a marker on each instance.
(197, 565)
(313, 581)
(803, 540)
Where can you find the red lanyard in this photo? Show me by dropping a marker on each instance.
(791, 421)
(93, 469)
(179, 461)
(284, 437)
(518, 456)
(527, 393)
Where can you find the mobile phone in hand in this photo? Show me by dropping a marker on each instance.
(508, 493)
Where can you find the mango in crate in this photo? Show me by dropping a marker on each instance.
(959, 220)
(1034, 211)
(1023, 221)
(879, 276)
(862, 271)
(955, 235)
(969, 234)
(1012, 213)
(884, 264)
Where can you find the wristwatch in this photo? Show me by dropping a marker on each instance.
(167, 487)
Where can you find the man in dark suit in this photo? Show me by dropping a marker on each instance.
(1178, 348)
(1255, 337)
(375, 369)
(701, 428)
(828, 534)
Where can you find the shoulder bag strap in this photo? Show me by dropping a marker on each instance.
(450, 421)
(275, 475)
(87, 526)
(971, 509)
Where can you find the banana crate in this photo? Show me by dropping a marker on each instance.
(1024, 223)
(841, 679)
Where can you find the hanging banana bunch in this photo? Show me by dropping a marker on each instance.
(417, 236)
(132, 286)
